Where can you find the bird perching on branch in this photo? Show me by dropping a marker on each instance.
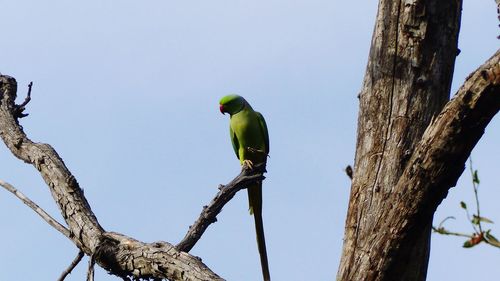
(248, 132)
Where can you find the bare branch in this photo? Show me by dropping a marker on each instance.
(90, 271)
(474, 185)
(125, 256)
(28, 96)
(498, 12)
(209, 213)
(50, 220)
(21, 107)
(120, 255)
(72, 266)
(444, 231)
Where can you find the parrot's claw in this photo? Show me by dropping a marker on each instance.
(248, 164)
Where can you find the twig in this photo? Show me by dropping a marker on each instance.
(498, 12)
(28, 96)
(209, 213)
(474, 184)
(443, 231)
(50, 220)
(21, 107)
(469, 218)
(73, 264)
(442, 222)
(90, 272)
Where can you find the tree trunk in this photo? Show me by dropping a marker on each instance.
(407, 83)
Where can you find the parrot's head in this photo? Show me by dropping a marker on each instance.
(232, 104)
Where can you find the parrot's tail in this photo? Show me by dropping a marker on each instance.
(255, 202)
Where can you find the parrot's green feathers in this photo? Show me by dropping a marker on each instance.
(229, 98)
(232, 104)
(234, 142)
(263, 129)
(248, 132)
(248, 129)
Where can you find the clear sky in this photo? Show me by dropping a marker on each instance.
(127, 92)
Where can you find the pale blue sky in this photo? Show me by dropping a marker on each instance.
(127, 93)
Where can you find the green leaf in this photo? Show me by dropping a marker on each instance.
(476, 219)
(475, 177)
(468, 244)
(492, 239)
(463, 205)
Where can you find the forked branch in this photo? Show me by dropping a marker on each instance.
(120, 255)
(437, 163)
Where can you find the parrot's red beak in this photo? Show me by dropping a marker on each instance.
(221, 107)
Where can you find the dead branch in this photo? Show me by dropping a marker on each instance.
(41, 212)
(120, 255)
(72, 266)
(21, 107)
(90, 271)
(209, 213)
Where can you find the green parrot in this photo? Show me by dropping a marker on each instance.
(248, 132)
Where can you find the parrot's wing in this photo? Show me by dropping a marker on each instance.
(263, 129)
(234, 142)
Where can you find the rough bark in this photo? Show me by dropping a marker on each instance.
(209, 213)
(435, 167)
(407, 83)
(402, 173)
(119, 254)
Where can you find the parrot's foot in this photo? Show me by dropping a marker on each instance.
(248, 164)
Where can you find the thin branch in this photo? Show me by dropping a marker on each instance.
(21, 107)
(90, 272)
(474, 185)
(498, 12)
(441, 230)
(446, 232)
(28, 202)
(469, 218)
(28, 96)
(72, 266)
(209, 213)
(443, 221)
